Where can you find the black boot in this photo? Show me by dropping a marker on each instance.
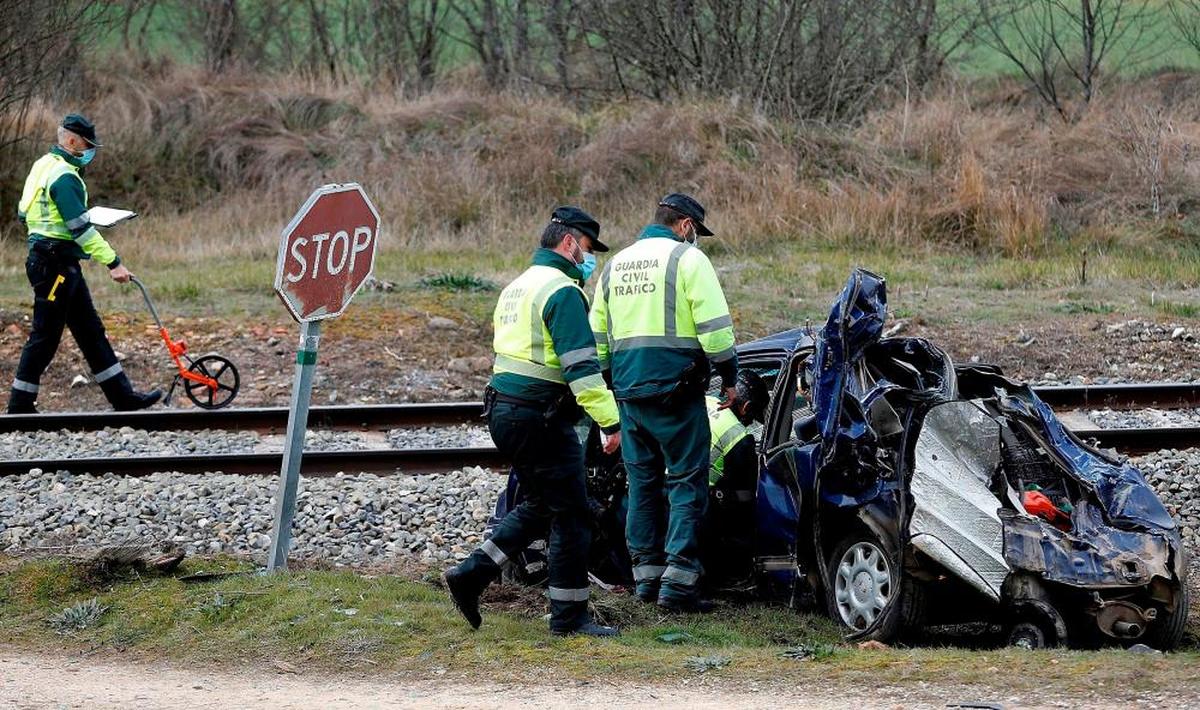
(124, 398)
(464, 592)
(22, 402)
(591, 628)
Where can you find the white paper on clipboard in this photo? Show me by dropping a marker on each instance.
(108, 216)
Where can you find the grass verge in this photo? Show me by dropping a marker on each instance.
(335, 621)
(770, 288)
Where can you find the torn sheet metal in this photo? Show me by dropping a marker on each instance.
(1092, 555)
(955, 518)
(1122, 489)
(1123, 492)
(855, 322)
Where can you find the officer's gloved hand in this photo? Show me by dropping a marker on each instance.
(612, 442)
(730, 397)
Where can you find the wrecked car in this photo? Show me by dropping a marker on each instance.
(898, 490)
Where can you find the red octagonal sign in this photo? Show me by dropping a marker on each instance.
(326, 252)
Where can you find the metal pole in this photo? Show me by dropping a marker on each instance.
(289, 471)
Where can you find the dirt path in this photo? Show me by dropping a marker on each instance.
(30, 680)
(384, 356)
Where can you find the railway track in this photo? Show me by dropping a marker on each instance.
(1164, 395)
(411, 461)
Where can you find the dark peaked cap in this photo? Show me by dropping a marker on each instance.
(80, 126)
(576, 218)
(687, 206)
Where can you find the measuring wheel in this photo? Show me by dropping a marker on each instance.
(216, 382)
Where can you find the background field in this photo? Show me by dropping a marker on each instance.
(976, 201)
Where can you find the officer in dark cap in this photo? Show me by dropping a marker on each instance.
(545, 377)
(662, 325)
(54, 208)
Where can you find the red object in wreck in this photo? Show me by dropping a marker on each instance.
(1037, 503)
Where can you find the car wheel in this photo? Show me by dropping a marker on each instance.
(1027, 635)
(1167, 630)
(867, 592)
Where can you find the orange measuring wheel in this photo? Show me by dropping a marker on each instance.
(211, 381)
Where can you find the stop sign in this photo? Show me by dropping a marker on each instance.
(326, 252)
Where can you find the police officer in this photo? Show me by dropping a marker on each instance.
(546, 369)
(661, 321)
(54, 209)
(732, 479)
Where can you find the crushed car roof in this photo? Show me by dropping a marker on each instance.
(777, 343)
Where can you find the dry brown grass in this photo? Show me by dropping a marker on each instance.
(971, 169)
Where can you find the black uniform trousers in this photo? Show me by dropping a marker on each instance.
(61, 299)
(547, 459)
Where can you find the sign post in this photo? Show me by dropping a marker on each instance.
(326, 253)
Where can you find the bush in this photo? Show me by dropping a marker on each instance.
(77, 617)
(967, 168)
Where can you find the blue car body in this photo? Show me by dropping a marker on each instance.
(864, 463)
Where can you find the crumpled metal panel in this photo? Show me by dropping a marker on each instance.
(1129, 535)
(855, 322)
(1122, 489)
(1092, 555)
(955, 517)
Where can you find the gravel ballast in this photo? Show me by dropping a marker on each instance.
(342, 519)
(1144, 418)
(128, 442)
(345, 519)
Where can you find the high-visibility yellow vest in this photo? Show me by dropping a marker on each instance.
(642, 294)
(41, 214)
(659, 308)
(522, 342)
(727, 431)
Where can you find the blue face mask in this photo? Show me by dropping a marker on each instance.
(588, 267)
(87, 156)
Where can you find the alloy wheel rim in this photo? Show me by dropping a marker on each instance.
(863, 585)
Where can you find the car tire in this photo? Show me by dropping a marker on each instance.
(868, 593)
(1167, 630)
(1029, 636)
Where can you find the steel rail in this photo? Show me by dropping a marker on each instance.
(414, 461)
(375, 416)
(1142, 440)
(363, 416)
(1163, 395)
(314, 463)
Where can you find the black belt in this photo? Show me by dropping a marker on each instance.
(564, 406)
(509, 399)
(55, 248)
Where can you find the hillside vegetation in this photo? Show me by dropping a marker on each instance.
(932, 178)
(964, 168)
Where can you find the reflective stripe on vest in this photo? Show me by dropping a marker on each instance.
(641, 291)
(522, 342)
(727, 431)
(41, 214)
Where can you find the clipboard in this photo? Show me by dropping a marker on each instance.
(108, 216)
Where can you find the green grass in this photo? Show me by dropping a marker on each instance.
(1074, 308)
(159, 34)
(1175, 309)
(776, 287)
(457, 281)
(1126, 58)
(342, 621)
